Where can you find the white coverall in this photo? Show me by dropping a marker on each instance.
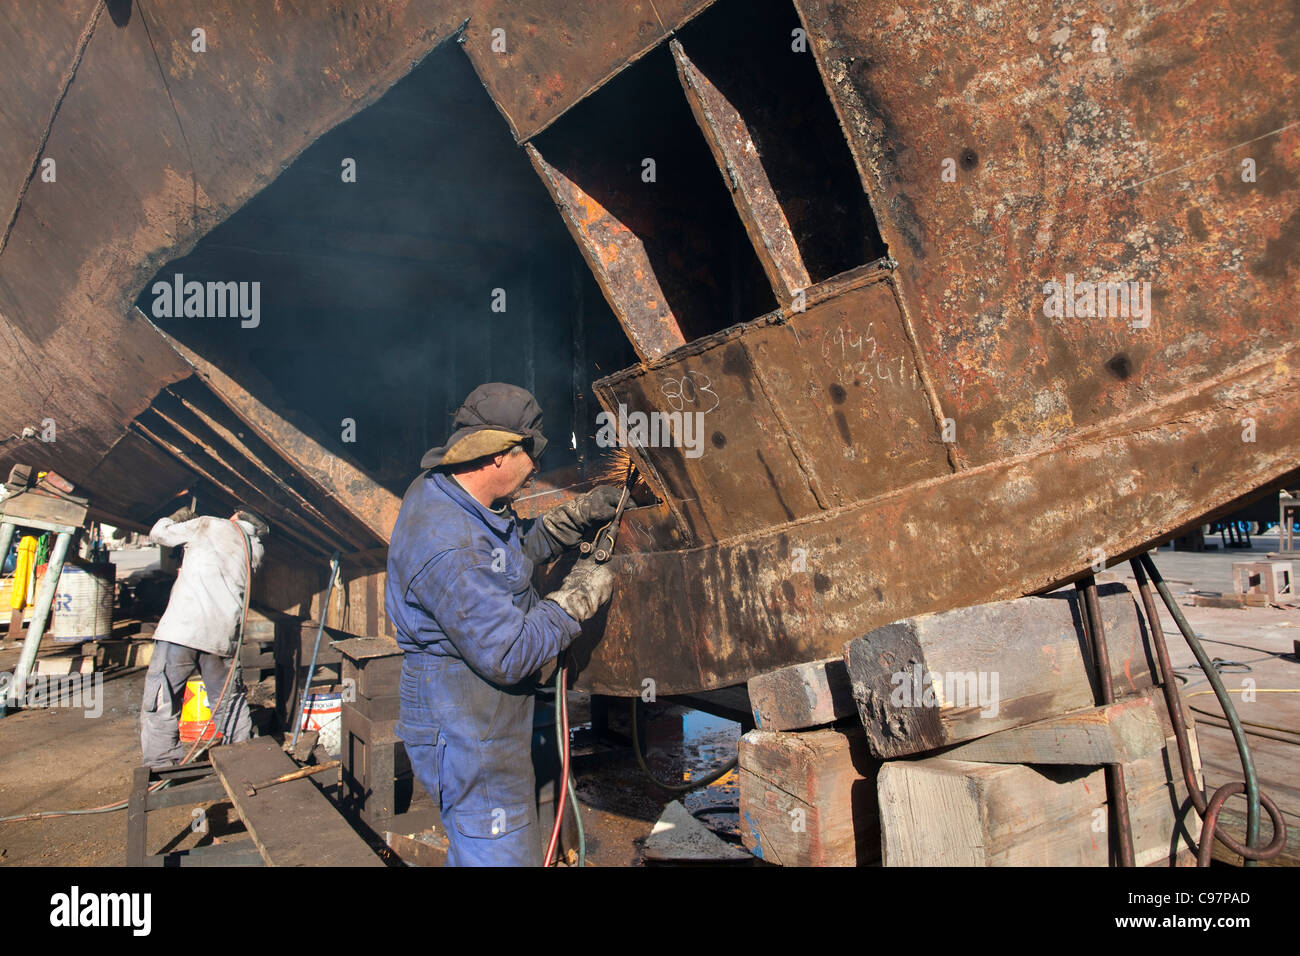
(198, 629)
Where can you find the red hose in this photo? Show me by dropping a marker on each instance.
(561, 702)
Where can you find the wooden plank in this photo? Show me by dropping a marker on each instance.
(939, 679)
(802, 696)
(293, 824)
(136, 814)
(238, 853)
(809, 799)
(940, 812)
(1115, 733)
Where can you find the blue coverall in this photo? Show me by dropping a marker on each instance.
(460, 596)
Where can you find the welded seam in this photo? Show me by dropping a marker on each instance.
(867, 171)
(927, 381)
(796, 447)
(69, 75)
(194, 181)
(1103, 433)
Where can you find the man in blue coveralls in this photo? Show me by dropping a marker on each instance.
(474, 630)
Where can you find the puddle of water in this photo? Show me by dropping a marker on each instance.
(695, 744)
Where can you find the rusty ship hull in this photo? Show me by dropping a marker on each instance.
(897, 417)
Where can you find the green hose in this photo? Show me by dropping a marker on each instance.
(1225, 701)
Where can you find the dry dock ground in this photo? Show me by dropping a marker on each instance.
(59, 758)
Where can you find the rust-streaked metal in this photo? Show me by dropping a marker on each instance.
(798, 591)
(742, 170)
(141, 176)
(539, 58)
(1101, 143)
(799, 412)
(619, 262)
(371, 504)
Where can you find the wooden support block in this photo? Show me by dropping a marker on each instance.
(328, 653)
(293, 823)
(939, 679)
(374, 663)
(64, 664)
(377, 708)
(936, 811)
(125, 654)
(802, 696)
(1116, 733)
(377, 775)
(809, 799)
(1272, 579)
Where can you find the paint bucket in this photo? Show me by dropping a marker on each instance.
(83, 603)
(196, 713)
(324, 715)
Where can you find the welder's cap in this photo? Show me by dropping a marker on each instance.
(494, 418)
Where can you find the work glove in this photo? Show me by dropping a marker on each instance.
(569, 523)
(182, 514)
(584, 589)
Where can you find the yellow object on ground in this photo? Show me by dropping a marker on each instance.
(23, 568)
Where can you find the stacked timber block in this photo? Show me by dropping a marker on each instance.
(377, 779)
(1270, 581)
(969, 737)
(257, 654)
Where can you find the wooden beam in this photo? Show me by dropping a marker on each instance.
(293, 823)
(802, 695)
(1114, 733)
(737, 157)
(942, 812)
(809, 799)
(939, 679)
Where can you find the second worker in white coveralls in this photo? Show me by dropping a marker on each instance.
(200, 629)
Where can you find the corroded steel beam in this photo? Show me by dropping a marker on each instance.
(619, 262)
(742, 170)
(225, 427)
(297, 442)
(230, 483)
(285, 505)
